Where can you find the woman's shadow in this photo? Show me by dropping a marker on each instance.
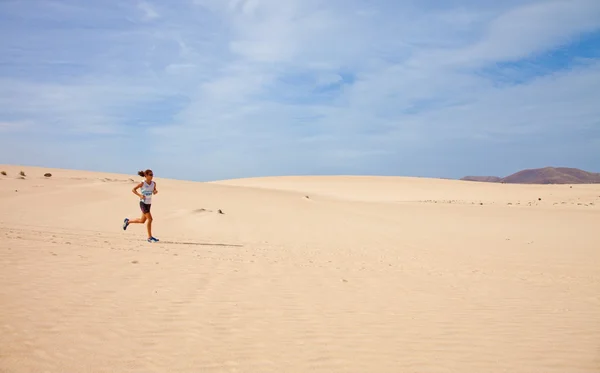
(199, 243)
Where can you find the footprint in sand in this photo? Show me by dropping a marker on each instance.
(201, 210)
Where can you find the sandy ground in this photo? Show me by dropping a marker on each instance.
(299, 274)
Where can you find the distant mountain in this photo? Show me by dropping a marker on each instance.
(546, 175)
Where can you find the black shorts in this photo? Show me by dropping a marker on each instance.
(145, 207)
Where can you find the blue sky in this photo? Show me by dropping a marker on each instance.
(217, 89)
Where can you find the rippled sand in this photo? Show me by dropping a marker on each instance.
(298, 274)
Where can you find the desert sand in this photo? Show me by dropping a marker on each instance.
(298, 274)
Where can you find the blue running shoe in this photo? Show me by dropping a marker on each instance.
(125, 223)
(152, 239)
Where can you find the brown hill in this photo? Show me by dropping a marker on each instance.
(546, 175)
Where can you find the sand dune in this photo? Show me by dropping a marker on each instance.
(298, 274)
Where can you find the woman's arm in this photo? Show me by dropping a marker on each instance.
(134, 190)
(155, 189)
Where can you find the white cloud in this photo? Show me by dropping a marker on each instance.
(149, 11)
(16, 126)
(531, 29)
(257, 80)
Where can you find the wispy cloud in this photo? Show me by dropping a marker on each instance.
(236, 88)
(149, 11)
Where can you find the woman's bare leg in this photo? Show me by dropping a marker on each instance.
(148, 217)
(141, 220)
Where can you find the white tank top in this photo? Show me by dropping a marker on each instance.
(147, 192)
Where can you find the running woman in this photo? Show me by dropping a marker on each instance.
(148, 188)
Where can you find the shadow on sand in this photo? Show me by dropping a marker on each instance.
(199, 243)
